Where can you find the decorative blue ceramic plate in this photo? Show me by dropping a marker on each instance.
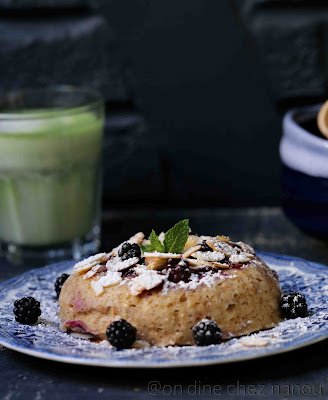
(45, 340)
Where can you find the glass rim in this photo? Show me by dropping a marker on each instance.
(47, 112)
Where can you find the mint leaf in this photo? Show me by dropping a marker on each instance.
(176, 237)
(146, 247)
(155, 242)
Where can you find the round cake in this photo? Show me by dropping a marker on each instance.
(165, 294)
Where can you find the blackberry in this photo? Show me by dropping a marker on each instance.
(27, 310)
(129, 272)
(121, 334)
(205, 246)
(59, 283)
(206, 332)
(172, 262)
(293, 305)
(129, 250)
(180, 272)
(206, 269)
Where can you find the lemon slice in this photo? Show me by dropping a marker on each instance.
(322, 119)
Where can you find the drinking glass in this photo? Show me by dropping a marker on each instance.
(50, 174)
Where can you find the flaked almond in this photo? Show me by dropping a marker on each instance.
(214, 256)
(222, 247)
(90, 262)
(246, 247)
(216, 265)
(116, 264)
(156, 260)
(155, 263)
(241, 258)
(219, 265)
(147, 280)
(192, 262)
(92, 271)
(192, 241)
(190, 251)
(110, 279)
(156, 254)
(137, 238)
(223, 238)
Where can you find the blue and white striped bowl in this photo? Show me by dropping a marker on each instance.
(304, 159)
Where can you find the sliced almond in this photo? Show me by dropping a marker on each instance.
(222, 247)
(137, 238)
(223, 238)
(90, 262)
(193, 262)
(110, 279)
(192, 241)
(116, 264)
(219, 265)
(92, 271)
(156, 254)
(147, 280)
(213, 256)
(246, 247)
(241, 258)
(212, 264)
(190, 251)
(155, 262)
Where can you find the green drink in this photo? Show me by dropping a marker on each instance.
(50, 179)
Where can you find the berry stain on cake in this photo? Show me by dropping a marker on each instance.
(176, 288)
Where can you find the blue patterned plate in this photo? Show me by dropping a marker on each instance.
(45, 340)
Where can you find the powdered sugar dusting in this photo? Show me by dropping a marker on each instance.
(46, 337)
(146, 280)
(195, 281)
(116, 264)
(110, 279)
(162, 255)
(241, 258)
(89, 262)
(209, 255)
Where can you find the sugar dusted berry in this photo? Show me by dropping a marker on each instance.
(206, 332)
(59, 283)
(129, 250)
(27, 310)
(121, 334)
(179, 272)
(293, 305)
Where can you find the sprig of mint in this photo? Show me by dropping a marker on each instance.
(174, 240)
(146, 247)
(156, 243)
(176, 237)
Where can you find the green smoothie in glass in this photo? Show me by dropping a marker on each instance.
(50, 174)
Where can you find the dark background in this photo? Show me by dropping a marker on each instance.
(194, 89)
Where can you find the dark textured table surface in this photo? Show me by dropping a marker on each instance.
(303, 371)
